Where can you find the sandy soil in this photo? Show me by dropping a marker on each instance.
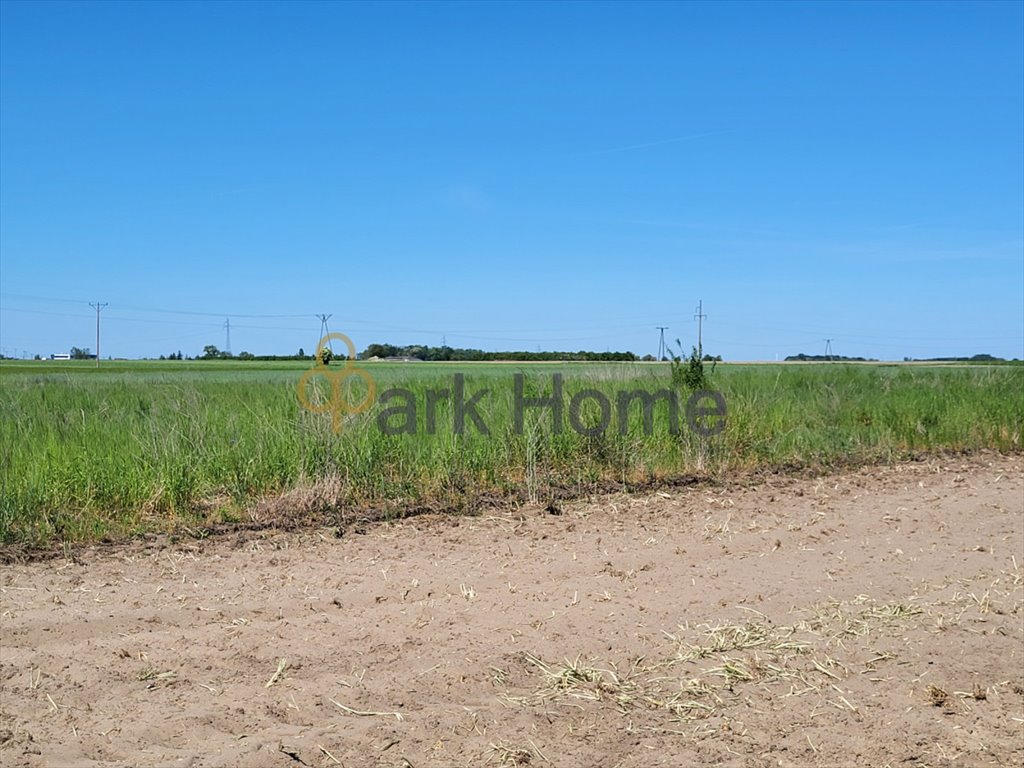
(867, 618)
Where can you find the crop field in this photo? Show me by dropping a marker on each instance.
(97, 454)
(233, 564)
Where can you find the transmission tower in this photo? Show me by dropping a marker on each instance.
(828, 349)
(324, 331)
(700, 317)
(98, 307)
(227, 340)
(662, 348)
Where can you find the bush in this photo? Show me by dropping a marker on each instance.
(688, 373)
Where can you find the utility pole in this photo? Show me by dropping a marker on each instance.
(700, 317)
(97, 306)
(324, 331)
(828, 349)
(227, 328)
(661, 342)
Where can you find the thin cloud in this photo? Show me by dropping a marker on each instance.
(467, 196)
(661, 143)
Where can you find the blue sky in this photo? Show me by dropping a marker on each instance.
(514, 176)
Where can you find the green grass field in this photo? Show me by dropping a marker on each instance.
(90, 454)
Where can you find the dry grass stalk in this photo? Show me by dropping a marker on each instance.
(281, 666)
(397, 715)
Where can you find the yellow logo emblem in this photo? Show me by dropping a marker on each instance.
(338, 404)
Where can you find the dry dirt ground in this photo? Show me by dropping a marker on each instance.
(870, 617)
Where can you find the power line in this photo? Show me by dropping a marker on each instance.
(374, 327)
(147, 309)
(868, 336)
(506, 337)
(375, 324)
(378, 326)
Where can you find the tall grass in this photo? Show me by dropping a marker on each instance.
(88, 455)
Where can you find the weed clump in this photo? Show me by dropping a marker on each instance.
(688, 373)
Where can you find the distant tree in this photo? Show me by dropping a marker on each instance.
(302, 354)
(246, 356)
(325, 356)
(78, 353)
(381, 350)
(210, 352)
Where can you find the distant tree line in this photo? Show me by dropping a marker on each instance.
(455, 354)
(841, 358)
(973, 359)
(210, 352)
(830, 358)
(437, 354)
